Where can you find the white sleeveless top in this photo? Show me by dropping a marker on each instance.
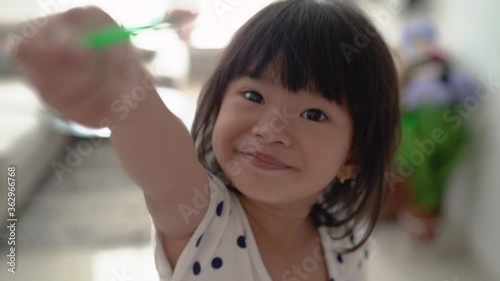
(223, 248)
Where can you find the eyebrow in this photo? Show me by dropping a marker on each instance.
(272, 82)
(262, 78)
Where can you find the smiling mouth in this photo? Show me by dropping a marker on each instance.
(265, 162)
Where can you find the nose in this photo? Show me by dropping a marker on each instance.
(270, 128)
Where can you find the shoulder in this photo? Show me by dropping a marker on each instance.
(171, 253)
(350, 264)
(219, 241)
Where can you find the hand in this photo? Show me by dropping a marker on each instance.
(77, 82)
(183, 21)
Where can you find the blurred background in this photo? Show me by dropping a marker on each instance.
(80, 217)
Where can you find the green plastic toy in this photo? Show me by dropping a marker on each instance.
(110, 36)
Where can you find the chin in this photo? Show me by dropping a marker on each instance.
(263, 189)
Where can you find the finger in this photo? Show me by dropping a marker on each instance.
(179, 17)
(60, 42)
(39, 58)
(58, 46)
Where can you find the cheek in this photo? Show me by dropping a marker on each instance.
(231, 124)
(323, 162)
(218, 139)
(224, 135)
(327, 155)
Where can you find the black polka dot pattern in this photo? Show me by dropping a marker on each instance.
(340, 259)
(218, 211)
(225, 252)
(198, 241)
(242, 242)
(217, 263)
(196, 268)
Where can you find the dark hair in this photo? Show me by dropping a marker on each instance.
(329, 47)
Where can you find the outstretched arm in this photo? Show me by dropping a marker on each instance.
(87, 86)
(158, 152)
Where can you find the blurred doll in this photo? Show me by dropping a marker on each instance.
(431, 143)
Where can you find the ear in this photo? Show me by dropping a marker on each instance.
(349, 170)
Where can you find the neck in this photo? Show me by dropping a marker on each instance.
(284, 225)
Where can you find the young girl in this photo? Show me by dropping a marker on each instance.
(294, 132)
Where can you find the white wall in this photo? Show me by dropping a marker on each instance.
(470, 30)
(125, 11)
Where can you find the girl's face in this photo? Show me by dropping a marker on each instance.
(308, 137)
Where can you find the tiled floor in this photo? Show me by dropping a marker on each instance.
(397, 259)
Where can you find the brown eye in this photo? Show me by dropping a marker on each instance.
(254, 96)
(314, 115)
